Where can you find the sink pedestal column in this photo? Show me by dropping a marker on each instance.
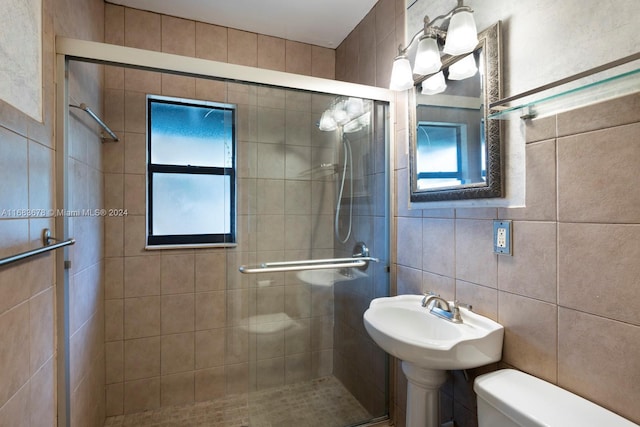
(423, 395)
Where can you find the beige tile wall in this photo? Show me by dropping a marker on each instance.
(183, 325)
(568, 296)
(28, 289)
(86, 279)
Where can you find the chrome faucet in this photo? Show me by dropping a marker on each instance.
(441, 302)
(441, 308)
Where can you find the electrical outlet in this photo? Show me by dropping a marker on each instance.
(502, 237)
(501, 240)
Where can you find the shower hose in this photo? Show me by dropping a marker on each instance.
(348, 158)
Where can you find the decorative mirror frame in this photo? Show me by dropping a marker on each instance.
(490, 42)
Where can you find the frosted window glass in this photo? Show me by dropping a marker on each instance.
(191, 135)
(437, 149)
(191, 204)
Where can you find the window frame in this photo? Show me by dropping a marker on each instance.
(190, 240)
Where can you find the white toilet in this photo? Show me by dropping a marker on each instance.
(510, 398)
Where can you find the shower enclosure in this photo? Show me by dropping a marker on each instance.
(188, 336)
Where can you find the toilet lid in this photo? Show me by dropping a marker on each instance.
(532, 402)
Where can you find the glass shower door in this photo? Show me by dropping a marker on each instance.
(313, 190)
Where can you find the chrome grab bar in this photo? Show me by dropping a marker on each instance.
(47, 246)
(360, 259)
(308, 264)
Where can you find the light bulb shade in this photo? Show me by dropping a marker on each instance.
(427, 57)
(327, 123)
(463, 69)
(434, 84)
(462, 35)
(401, 75)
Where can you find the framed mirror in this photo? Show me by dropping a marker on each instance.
(455, 152)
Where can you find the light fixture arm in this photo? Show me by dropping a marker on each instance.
(430, 29)
(457, 38)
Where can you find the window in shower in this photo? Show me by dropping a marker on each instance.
(190, 172)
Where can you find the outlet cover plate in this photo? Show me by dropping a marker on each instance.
(502, 237)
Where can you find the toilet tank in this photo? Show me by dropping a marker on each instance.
(510, 398)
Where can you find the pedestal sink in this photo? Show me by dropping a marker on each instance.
(429, 346)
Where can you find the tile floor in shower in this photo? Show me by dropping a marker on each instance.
(322, 402)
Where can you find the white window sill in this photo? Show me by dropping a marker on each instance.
(194, 246)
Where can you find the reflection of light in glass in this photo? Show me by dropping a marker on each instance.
(358, 123)
(463, 69)
(434, 84)
(327, 123)
(354, 107)
(340, 114)
(265, 324)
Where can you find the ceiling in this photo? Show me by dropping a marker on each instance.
(319, 22)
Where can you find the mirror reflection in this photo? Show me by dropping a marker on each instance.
(450, 142)
(455, 151)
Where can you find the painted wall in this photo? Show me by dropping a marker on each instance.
(568, 300)
(27, 314)
(545, 40)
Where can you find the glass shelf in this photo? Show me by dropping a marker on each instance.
(582, 96)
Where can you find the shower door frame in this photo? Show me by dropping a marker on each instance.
(68, 49)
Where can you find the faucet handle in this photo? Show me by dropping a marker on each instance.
(426, 297)
(455, 312)
(457, 304)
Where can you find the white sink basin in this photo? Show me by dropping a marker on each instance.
(405, 329)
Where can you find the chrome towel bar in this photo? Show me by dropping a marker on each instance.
(93, 115)
(360, 259)
(47, 246)
(309, 264)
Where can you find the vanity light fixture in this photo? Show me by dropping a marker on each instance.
(462, 35)
(428, 56)
(401, 75)
(459, 38)
(464, 68)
